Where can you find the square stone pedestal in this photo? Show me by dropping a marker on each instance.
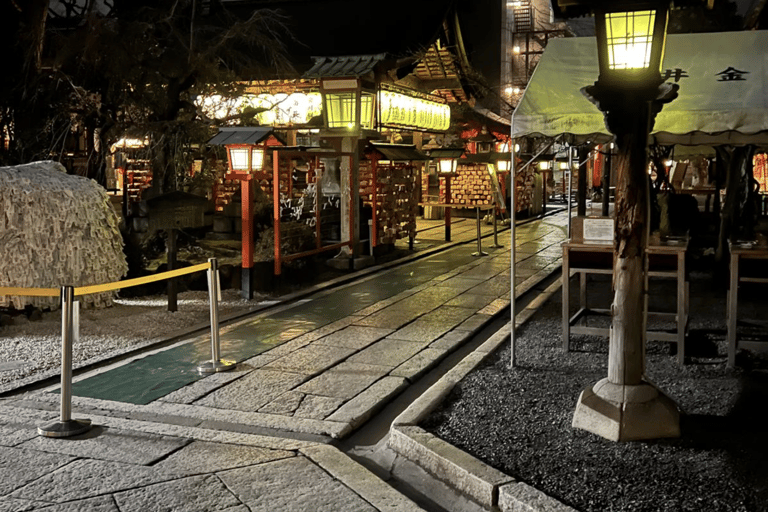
(626, 413)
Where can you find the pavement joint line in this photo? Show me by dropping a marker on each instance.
(278, 423)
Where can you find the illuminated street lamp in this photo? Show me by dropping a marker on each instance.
(630, 92)
(245, 156)
(630, 44)
(447, 160)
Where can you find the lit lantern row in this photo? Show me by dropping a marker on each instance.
(284, 109)
(298, 108)
(401, 110)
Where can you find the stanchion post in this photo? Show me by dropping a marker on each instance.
(216, 364)
(496, 244)
(66, 426)
(479, 237)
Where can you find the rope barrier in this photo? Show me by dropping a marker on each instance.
(99, 288)
(66, 426)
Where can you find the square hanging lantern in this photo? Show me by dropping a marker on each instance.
(447, 159)
(245, 148)
(630, 41)
(245, 157)
(346, 104)
(447, 165)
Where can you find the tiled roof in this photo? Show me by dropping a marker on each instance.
(349, 65)
(241, 135)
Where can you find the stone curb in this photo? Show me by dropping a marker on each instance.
(487, 486)
(370, 487)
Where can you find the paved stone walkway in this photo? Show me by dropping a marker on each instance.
(255, 438)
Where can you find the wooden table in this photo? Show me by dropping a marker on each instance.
(740, 273)
(661, 261)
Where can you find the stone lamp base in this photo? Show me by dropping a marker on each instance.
(627, 413)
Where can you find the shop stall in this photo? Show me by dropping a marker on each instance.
(722, 104)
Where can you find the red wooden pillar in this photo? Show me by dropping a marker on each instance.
(246, 210)
(374, 198)
(318, 191)
(276, 210)
(447, 208)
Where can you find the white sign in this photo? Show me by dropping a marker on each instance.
(598, 230)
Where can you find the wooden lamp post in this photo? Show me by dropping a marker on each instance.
(447, 160)
(630, 92)
(245, 162)
(245, 157)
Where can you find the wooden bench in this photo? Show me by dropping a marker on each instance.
(592, 256)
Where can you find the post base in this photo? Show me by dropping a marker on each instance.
(626, 413)
(246, 283)
(221, 365)
(65, 428)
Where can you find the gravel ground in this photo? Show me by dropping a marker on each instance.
(519, 420)
(31, 349)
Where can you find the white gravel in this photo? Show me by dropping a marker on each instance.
(30, 350)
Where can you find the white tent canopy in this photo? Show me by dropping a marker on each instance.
(723, 97)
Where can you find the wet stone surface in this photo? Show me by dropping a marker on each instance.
(274, 486)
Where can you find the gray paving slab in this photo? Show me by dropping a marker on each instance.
(12, 434)
(495, 307)
(88, 478)
(200, 388)
(460, 283)
(471, 300)
(419, 364)
(359, 409)
(344, 380)
(434, 324)
(110, 444)
(354, 336)
(366, 484)
(284, 404)
(388, 352)
(474, 322)
(450, 340)
(200, 457)
(317, 407)
(292, 484)
(198, 493)
(27, 466)
(498, 286)
(253, 391)
(437, 295)
(391, 317)
(97, 504)
(310, 359)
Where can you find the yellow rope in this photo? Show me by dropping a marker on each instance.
(87, 290)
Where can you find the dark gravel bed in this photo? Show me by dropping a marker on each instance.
(519, 420)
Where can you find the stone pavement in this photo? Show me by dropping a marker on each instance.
(308, 371)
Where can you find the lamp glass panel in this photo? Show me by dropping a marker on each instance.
(447, 165)
(503, 165)
(341, 109)
(239, 158)
(366, 110)
(629, 39)
(257, 159)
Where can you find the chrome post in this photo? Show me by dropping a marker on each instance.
(479, 238)
(66, 426)
(216, 364)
